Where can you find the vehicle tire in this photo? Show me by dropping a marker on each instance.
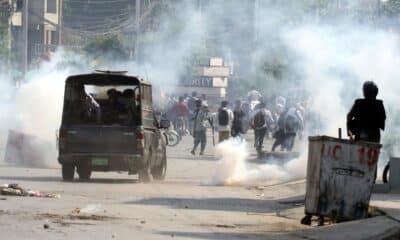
(385, 177)
(145, 173)
(173, 138)
(84, 170)
(159, 172)
(68, 171)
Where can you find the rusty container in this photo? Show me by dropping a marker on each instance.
(340, 176)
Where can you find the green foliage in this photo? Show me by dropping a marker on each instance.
(391, 8)
(106, 49)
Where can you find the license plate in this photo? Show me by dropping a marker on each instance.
(100, 161)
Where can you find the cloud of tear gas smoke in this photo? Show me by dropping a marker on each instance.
(34, 112)
(331, 61)
(336, 60)
(37, 104)
(164, 60)
(5, 109)
(232, 168)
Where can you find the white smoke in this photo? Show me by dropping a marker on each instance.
(332, 61)
(36, 106)
(35, 112)
(336, 60)
(233, 168)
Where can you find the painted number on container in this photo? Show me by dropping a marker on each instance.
(334, 152)
(368, 155)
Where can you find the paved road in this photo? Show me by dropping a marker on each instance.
(184, 206)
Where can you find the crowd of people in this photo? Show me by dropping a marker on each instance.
(277, 118)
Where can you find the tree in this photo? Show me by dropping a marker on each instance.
(391, 8)
(106, 49)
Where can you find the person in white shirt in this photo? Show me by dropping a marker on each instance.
(223, 121)
(261, 120)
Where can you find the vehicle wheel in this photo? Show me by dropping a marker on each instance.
(385, 177)
(145, 176)
(84, 170)
(68, 171)
(145, 173)
(159, 172)
(172, 138)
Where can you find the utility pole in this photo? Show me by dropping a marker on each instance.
(137, 29)
(60, 21)
(25, 12)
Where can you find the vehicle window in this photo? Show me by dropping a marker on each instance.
(103, 105)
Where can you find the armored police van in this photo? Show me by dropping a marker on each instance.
(108, 125)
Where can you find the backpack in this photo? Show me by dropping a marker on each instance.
(291, 123)
(259, 120)
(192, 104)
(223, 117)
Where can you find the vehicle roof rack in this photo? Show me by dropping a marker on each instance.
(111, 72)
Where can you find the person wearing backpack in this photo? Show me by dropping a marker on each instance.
(261, 120)
(238, 118)
(289, 123)
(292, 124)
(223, 121)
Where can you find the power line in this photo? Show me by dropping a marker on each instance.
(96, 2)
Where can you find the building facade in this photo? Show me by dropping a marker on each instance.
(35, 30)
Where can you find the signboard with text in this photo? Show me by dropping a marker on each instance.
(199, 82)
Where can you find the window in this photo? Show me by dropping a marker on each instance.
(52, 6)
(54, 37)
(102, 105)
(47, 40)
(18, 6)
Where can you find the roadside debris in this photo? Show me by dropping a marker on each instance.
(91, 209)
(224, 226)
(14, 189)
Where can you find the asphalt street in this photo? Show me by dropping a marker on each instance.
(184, 206)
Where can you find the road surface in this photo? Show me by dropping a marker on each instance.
(184, 206)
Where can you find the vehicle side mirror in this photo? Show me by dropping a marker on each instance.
(165, 123)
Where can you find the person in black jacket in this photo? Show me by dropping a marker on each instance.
(238, 116)
(367, 116)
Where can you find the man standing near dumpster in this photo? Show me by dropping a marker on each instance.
(223, 121)
(367, 116)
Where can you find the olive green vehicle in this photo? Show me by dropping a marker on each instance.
(108, 125)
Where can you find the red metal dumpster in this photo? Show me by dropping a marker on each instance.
(340, 176)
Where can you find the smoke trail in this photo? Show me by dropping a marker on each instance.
(340, 60)
(331, 60)
(232, 168)
(37, 105)
(35, 111)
